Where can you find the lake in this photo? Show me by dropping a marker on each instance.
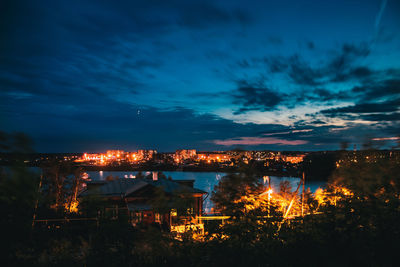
(204, 180)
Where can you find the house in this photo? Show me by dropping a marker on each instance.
(164, 202)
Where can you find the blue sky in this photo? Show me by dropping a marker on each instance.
(211, 75)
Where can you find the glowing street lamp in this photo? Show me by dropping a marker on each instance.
(269, 192)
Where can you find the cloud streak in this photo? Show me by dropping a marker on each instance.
(380, 13)
(254, 141)
(386, 138)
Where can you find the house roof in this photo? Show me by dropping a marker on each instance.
(171, 186)
(124, 187)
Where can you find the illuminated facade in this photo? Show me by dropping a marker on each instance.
(216, 157)
(294, 159)
(184, 154)
(146, 154)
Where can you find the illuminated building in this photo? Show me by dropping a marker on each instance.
(213, 156)
(115, 154)
(132, 156)
(184, 154)
(294, 159)
(146, 154)
(135, 197)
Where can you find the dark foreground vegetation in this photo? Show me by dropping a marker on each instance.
(357, 229)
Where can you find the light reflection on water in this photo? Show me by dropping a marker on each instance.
(205, 180)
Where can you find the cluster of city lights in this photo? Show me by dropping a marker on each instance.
(117, 156)
(186, 155)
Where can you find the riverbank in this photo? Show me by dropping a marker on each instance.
(185, 169)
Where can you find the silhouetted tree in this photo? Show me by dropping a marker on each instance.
(232, 188)
(18, 195)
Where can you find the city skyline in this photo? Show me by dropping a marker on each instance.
(213, 76)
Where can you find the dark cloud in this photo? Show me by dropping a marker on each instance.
(318, 95)
(378, 89)
(361, 72)
(375, 101)
(275, 40)
(302, 73)
(256, 97)
(378, 93)
(276, 64)
(324, 95)
(310, 45)
(207, 95)
(316, 122)
(380, 107)
(381, 117)
(339, 67)
(244, 63)
(296, 69)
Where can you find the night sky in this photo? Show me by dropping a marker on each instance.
(87, 76)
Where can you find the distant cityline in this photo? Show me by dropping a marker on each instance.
(185, 155)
